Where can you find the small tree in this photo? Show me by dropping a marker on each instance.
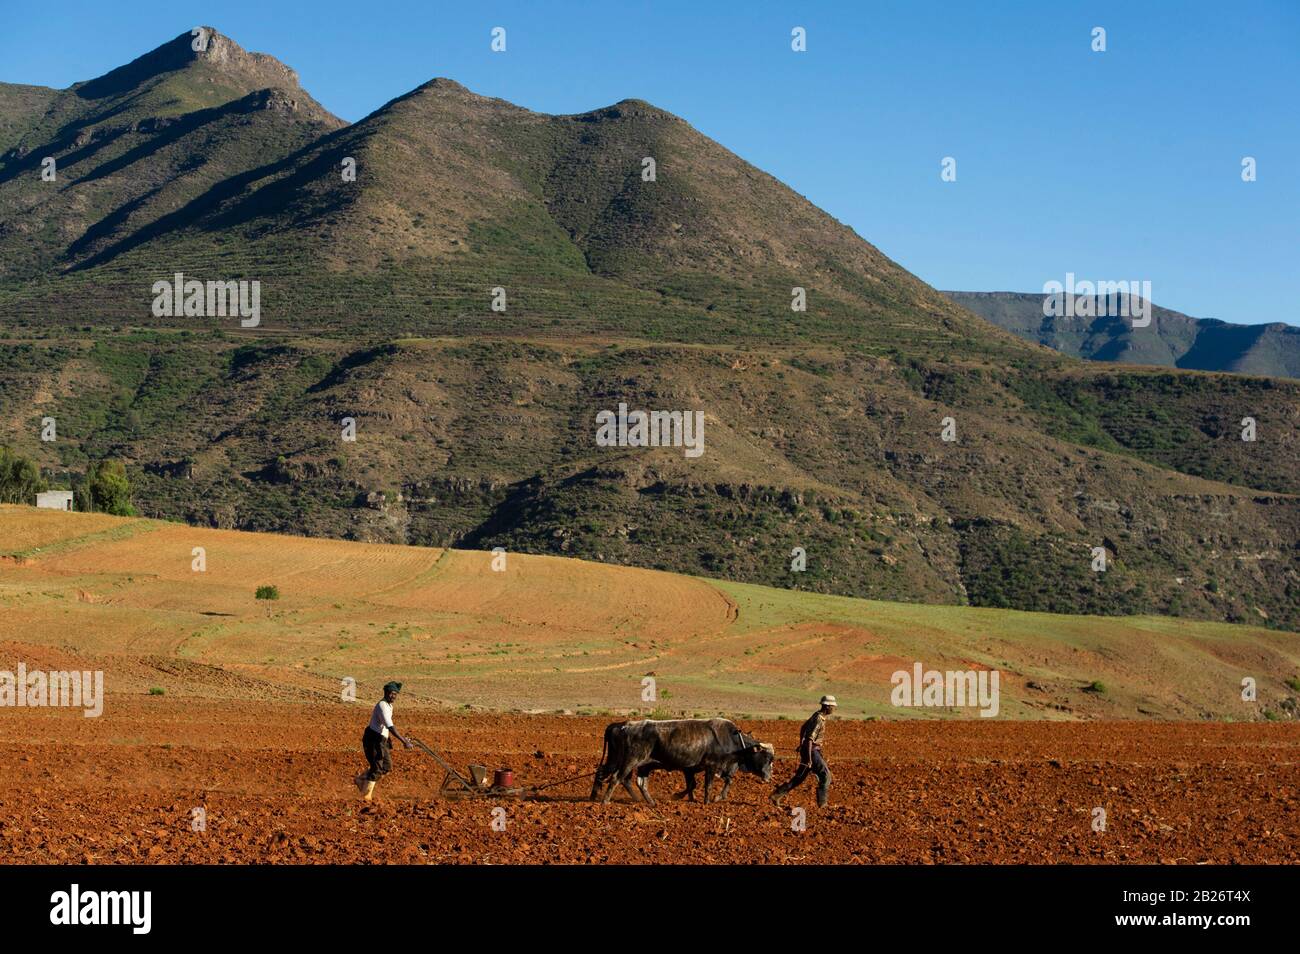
(20, 478)
(110, 491)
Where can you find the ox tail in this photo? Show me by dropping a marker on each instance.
(601, 771)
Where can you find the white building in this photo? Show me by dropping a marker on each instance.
(55, 500)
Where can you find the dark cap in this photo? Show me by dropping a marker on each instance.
(393, 687)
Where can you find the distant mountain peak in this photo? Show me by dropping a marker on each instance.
(1171, 340)
(443, 84)
(215, 51)
(224, 53)
(639, 107)
(442, 92)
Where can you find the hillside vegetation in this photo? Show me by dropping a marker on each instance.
(824, 428)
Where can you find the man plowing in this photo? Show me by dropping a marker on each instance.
(376, 744)
(810, 755)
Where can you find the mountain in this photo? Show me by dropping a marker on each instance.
(1171, 340)
(20, 106)
(825, 429)
(138, 142)
(455, 194)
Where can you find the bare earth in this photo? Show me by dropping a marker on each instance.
(217, 700)
(274, 780)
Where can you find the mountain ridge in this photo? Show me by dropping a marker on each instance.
(475, 425)
(450, 180)
(216, 50)
(1173, 339)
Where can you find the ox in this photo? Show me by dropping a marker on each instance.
(689, 746)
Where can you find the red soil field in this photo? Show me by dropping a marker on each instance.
(275, 782)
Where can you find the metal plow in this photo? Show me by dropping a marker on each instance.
(479, 784)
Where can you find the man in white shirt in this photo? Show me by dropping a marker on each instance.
(375, 742)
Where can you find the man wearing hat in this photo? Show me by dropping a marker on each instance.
(810, 755)
(375, 741)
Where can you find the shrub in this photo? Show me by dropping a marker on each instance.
(110, 491)
(268, 593)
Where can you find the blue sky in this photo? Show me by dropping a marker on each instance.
(1117, 165)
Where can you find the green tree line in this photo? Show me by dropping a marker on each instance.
(104, 489)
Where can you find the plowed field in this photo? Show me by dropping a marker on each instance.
(274, 782)
(221, 702)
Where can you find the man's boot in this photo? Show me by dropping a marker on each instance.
(360, 782)
(370, 791)
(779, 793)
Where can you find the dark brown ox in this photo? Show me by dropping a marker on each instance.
(712, 746)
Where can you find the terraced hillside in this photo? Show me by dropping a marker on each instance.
(95, 592)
